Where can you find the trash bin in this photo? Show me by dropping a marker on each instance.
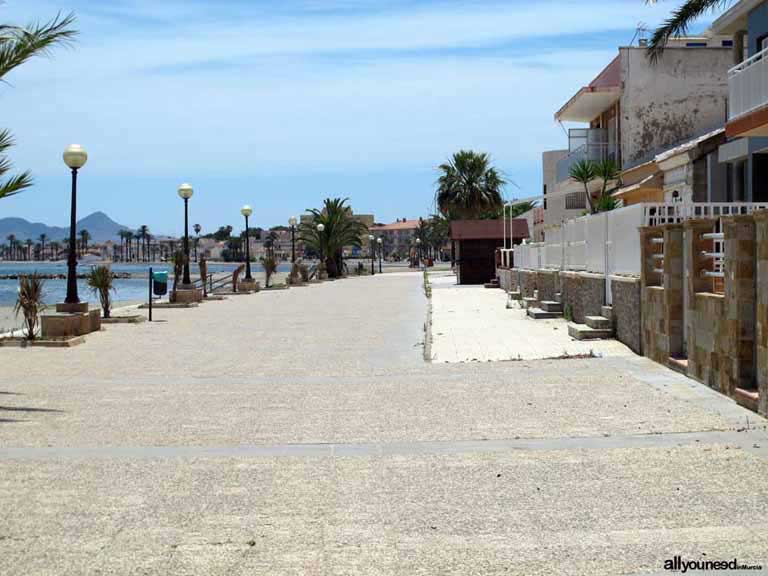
(160, 283)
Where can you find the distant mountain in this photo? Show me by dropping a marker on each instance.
(99, 225)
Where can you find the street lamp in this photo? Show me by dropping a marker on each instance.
(292, 223)
(373, 252)
(320, 229)
(75, 157)
(247, 211)
(381, 251)
(185, 192)
(418, 252)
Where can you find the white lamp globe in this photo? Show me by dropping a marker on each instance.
(292, 221)
(378, 241)
(418, 240)
(370, 237)
(75, 156)
(185, 191)
(246, 210)
(320, 227)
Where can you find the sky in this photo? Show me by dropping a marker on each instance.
(279, 104)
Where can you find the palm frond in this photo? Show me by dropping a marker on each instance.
(18, 45)
(677, 24)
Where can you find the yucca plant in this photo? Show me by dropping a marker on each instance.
(100, 282)
(30, 302)
(269, 262)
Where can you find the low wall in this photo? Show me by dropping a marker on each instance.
(547, 284)
(625, 293)
(582, 293)
(527, 282)
(707, 347)
(655, 336)
(507, 279)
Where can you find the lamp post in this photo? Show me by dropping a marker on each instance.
(292, 223)
(185, 192)
(381, 251)
(75, 157)
(418, 252)
(372, 248)
(320, 229)
(247, 211)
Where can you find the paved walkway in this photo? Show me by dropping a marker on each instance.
(300, 432)
(473, 324)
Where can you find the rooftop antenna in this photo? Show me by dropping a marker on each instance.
(641, 35)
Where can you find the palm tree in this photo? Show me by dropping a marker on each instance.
(42, 239)
(29, 243)
(608, 171)
(54, 247)
(84, 237)
(677, 24)
(12, 245)
(340, 229)
(129, 243)
(584, 172)
(468, 186)
(17, 46)
(100, 282)
(143, 235)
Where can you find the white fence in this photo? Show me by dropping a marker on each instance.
(609, 242)
(748, 85)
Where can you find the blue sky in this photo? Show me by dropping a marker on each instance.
(280, 104)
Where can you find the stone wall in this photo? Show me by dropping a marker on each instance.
(547, 284)
(655, 337)
(761, 300)
(625, 292)
(582, 293)
(507, 278)
(527, 282)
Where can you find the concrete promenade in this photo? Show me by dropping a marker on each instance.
(301, 432)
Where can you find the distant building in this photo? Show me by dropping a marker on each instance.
(397, 238)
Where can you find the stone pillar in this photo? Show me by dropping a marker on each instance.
(673, 289)
(739, 309)
(761, 300)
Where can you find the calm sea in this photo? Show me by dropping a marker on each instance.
(133, 289)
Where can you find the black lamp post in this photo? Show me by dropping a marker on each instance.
(372, 248)
(418, 252)
(381, 252)
(247, 211)
(185, 192)
(292, 222)
(75, 157)
(320, 229)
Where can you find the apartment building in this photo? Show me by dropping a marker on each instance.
(634, 110)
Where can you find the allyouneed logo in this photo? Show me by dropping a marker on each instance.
(677, 564)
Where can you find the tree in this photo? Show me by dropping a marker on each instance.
(84, 237)
(677, 24)
(340, 229)
(468, 186)
(584, 172)
(54, 248)
(144, 237)
(42, 239)
(17, 46)
(100, 282)
(129, 243)
(12, 245)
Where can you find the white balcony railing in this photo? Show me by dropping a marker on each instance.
(748, 85)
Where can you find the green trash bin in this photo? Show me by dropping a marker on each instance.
(160, 283)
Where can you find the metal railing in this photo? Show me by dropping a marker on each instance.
(748, 85)
(595, 151)
(676, 212)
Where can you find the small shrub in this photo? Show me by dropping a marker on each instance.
(269, 263)
(100, 283)
(30, 302)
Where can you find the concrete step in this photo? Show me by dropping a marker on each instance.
(747, 398)
(678, 365)
(493, 283)
(530, 301)
(551, 306)
(515, 295)
(598, 322)
(607, 312)
(539, 314)
(584, 332)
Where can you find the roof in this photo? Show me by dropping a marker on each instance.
(487, 229)
(594, 98)
(402, 225)
(650, 182)
(688, 146)
(735, 18)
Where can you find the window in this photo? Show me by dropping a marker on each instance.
(575, 201)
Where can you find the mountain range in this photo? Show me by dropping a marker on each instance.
(100, 226)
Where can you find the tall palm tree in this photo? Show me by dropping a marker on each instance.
(12, 245)
(29, 243)
(54, 247)
(143, 235)
(340, 229)
(42, 239)
(677, 24)
(84, 237)
(129, 243)
(583, 172)
(468, 186)
(17, 46)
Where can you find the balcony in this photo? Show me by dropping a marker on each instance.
(584, 144)
(748, 94)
